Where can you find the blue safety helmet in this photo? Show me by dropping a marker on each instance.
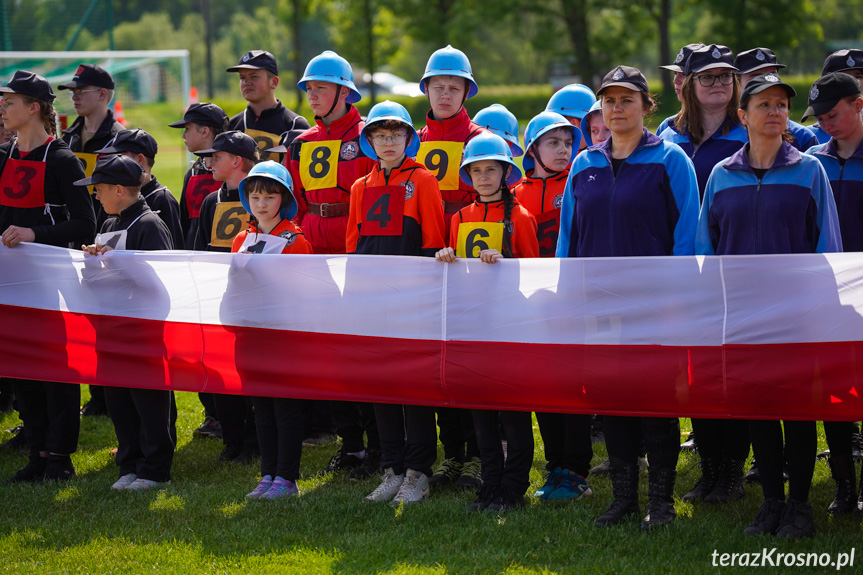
(595, 109)
(542, 123)
(274, 171)
(330, 67)
(502, 122)
(388, 110)
(488, 146)
(573, 100)
(450, 61)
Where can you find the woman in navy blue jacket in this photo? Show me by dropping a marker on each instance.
(768, 198)
(632, 195)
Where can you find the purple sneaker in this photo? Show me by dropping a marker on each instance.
(281, 488)
(263, 487)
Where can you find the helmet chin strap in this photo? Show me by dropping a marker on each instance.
(335, 103)
(537, 157)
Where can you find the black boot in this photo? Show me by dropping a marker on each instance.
(729, 485)
(842, 468)
(707, 482)
(660, 505)
(624, 484)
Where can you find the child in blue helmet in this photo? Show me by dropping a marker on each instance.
(498, 120)
(573, 102)
(493, 227)
(266, 193)
(595, 130)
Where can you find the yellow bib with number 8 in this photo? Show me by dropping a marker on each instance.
(475, 237)
(442, 159)
(319, 164)
(229, 220)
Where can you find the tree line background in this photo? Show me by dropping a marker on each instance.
(509, 42)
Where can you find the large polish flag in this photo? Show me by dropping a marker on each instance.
(734, 336)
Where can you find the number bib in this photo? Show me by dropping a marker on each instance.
(442, 159)
(265, 141)
(263, 244)
(383, 208)
(475, 237)
(22, 184)
(88, 161)
(116, 240)
(319, 164)
(198, 188)
(230, 219)
(547, 230)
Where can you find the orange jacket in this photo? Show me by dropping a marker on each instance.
(297, 242)
(543, 199)
(522, 232)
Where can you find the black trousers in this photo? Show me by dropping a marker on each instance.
(801, 441)
(237, 418)
(514, 472)
(51, 415)
(566, 437)
(408, 437)
(624, 435)
(145, 421)
(839, 436)
(209, 402)
(320, 418)
(97, 395)
(722, 438)
(352, 420)
(457, 433)
(280, 424)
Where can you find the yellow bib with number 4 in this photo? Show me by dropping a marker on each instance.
(265, 141)
(89, 163)
(475, 237)
(229, 220)
(319, 164)
(442, 159)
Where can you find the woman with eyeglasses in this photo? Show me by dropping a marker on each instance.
(707, 127)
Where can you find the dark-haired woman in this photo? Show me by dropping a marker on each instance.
(40, 203)
(632, 195)
(488, 167)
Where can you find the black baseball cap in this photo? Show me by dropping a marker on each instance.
(842, 60)
(709, 57)
(89, 75)
(236, 143)
(682, 56)
(203, 113)
(625, 77)
(761, 83)
(29, 84)
(257, 60)
(115, 170)
(285, 139)
(828, 90)
(136, 141)
(756, 59)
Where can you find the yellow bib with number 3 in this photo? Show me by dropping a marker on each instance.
(475, 237)
(229, 220)
(89, 162)
(319, 164)
(265, 141)
(442, 159)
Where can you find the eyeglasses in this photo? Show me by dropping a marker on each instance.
(73, 92)
(708, 80)
(382, 140)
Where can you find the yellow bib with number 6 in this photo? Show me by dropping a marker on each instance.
(442, 159)
(265, 141)
(319, 164)
(230, 219)
(475, 237)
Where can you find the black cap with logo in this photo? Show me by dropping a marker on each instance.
(29, 84)
(842, 60)
(625, 77)
(709, 58)
(136, 141)
(756, 59)
(682, 56)
(115, 170)
(236, 143)
(205, 114)
(828, 90)
(89, 75)
(257, 60)
(764, 82)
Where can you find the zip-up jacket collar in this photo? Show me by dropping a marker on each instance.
(338, 128)
(788, 155)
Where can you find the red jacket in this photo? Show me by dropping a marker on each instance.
(522, 233)
(297, 242)
(543, 199)
(459, 128)
(326, 233)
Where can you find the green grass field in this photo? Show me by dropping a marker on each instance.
(202, 523)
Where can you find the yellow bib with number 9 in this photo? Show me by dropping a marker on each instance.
(89, 162)
(319, 164)
(475, 237)
(442, 159)
(265, 141)
(229, 220)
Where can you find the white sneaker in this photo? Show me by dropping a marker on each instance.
(414, 489)
(642, 464)
(389, 487)
(142, 484)
(124, 482)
